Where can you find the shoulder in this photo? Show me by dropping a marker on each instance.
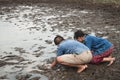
(65, 42)
(70, 41)
(90, 37)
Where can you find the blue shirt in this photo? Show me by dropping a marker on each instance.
(96, 44)
(71, 47)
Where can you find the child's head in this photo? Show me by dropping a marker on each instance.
(58, 39)
(79, 35)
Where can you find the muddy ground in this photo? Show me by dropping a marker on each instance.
(26, 39)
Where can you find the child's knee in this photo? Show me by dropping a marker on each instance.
(59, 59)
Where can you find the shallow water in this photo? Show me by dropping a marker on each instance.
(25, 31)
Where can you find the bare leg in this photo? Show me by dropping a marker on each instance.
(109, 59)
(111, 62)
(79, 66)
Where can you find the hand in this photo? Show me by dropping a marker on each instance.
(49, 66)
(53, 63)
(46, 66)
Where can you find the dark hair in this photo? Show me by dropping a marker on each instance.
(79, 33)
(58, 39)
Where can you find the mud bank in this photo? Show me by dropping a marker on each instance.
(90, 4)
(26, 40)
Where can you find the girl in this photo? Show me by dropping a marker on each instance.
(100, 48)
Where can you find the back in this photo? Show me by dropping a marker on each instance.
(96, 44)
(71, 47)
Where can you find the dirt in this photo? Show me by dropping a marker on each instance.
(24, 61)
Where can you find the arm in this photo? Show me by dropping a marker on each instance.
(53, 63)
(89, 42)
(59, 53)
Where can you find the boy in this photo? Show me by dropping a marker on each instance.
(72, 53)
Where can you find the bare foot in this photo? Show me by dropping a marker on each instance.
(111, 62)
(81, 68)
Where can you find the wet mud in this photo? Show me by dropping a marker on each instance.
(26, 40)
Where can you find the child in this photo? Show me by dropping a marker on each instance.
(100, 48)
(72, 53)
